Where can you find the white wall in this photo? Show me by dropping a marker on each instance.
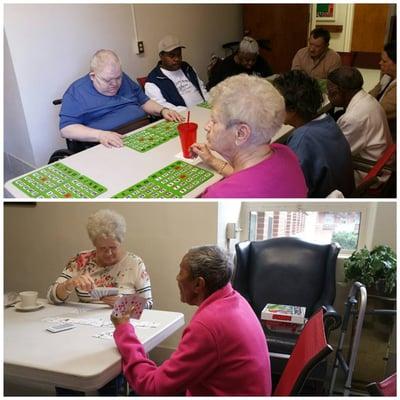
(39, 240)
(340, 41)
(50, 46)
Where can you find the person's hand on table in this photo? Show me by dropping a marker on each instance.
(110, 300)
(171, 115)
(110, 139)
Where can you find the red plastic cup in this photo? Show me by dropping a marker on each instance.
(187, 133)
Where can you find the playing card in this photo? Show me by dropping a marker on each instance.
(100, 292)
(132, 303)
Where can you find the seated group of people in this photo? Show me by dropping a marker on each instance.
(247, 111)
(211, 358)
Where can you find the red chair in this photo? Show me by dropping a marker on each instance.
(387, 387)
(385, 163)
(141, 81)
(311, 348)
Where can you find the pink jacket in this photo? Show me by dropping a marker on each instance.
(222, 352)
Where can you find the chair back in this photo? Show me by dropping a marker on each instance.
(386, 158)
(387, 387)
(142, 81)
(311, 348)
(286, 271)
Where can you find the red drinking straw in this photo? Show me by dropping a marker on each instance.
(188, 117)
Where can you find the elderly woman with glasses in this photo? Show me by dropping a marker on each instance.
(247, 112)
(107, 265)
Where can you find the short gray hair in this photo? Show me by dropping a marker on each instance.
(101, 58)
(248, 45)
(211, 263)
(106, 224)
(251, 100)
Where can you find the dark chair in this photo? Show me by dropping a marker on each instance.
(386, 163)
(310, 349)
(75, 146)
(287, 271)
(387, 387)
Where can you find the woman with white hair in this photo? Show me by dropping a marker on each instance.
(107, 265)
(246, 113)
(246, 60)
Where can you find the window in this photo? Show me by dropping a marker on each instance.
(318, 223)
(311, 226)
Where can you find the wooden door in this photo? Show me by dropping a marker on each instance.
(285, 25)
(369, 27)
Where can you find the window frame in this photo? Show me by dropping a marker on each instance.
(366, 209)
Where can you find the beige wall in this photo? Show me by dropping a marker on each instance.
(50, 46)
(38, 240)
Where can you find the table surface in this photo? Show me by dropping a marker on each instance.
(119, 168)
(73, 359)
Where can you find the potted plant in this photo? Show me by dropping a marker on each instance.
(375, 269)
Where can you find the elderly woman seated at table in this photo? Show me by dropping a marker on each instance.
(247, 112)
(222, 352)
(107, 265)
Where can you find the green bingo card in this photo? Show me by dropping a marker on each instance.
(58, 181)
(173, 181)
(152, 136)
(204, 104)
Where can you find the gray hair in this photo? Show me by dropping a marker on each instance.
(106, 224)
(251, 100)
(347, 78)
(211, 263)
(101, 58)
(248, 45)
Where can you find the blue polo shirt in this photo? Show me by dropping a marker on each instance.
(83, 104)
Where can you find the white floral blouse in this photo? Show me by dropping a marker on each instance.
(129, 273)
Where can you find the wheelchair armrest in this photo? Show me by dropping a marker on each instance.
(332, 320)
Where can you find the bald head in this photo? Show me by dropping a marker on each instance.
(102, 58)
(105, 72)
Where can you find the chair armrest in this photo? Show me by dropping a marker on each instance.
(332, 320)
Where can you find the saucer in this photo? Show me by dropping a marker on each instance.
(19, 307)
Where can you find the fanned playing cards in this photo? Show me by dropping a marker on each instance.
(100, 292)
(131, 303)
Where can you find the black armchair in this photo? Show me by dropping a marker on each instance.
(287, 271)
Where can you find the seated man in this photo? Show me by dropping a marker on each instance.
(222, 352)
(318, 142)
(173, 83)
(246, 60)
(317, 60)
(104, 99)
(364, 122)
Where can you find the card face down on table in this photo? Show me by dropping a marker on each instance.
(131, 303)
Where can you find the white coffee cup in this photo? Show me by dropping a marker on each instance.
(28, 298)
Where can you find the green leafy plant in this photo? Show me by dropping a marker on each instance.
(347, 240)
(372, 268)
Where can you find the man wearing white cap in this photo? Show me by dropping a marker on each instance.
(173, 83)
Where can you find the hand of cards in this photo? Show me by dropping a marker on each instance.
(132, 304)
(100, 292)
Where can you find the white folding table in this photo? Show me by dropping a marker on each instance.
(73, 359)
(119, 168)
